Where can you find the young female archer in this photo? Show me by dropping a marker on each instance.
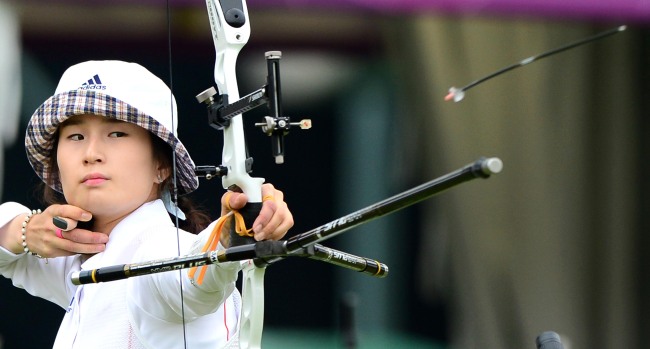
(104, 141)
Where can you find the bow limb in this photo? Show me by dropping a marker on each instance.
(230, 32)
(228, 41)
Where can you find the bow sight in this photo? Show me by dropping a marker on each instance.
(220, 112)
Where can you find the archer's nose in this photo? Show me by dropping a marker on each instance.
(94, 152)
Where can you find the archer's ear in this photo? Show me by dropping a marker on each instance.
(163, 174)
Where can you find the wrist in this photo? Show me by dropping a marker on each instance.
(23, 232)
(11, 234)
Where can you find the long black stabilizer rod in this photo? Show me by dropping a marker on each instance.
(481, 168)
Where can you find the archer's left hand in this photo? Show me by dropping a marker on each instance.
(274, 219)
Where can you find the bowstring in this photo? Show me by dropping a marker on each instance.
(174, 178)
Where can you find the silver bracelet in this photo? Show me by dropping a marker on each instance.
(24, 230)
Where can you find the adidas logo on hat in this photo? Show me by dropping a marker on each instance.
(93, 83)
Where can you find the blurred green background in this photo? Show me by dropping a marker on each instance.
(556, 242)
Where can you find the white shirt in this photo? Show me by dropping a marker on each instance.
(139, 312)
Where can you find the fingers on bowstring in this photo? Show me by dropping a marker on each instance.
(63, 223)
(73, 247)
(65, 217)
(83, 236)
(80, 240)
(72, 212)
(55, 246)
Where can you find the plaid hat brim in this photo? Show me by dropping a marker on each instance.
(41, 129)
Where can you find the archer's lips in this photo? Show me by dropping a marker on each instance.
(94, 179)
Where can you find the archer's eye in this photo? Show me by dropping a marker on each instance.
(117, 134)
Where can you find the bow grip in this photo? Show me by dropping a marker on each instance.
(249, 213)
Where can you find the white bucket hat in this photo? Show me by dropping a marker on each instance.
(114, 89)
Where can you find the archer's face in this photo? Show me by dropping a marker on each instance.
(106, 166)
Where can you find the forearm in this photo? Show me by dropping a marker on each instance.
(159, 294)
(200, 297)
(12, 216)
(47, 279)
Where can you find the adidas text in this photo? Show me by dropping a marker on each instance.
(92, 87)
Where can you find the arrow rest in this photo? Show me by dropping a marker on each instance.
(209, 172)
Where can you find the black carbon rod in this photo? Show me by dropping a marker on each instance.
(123, 271)
(343, 259)
(481, 168)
